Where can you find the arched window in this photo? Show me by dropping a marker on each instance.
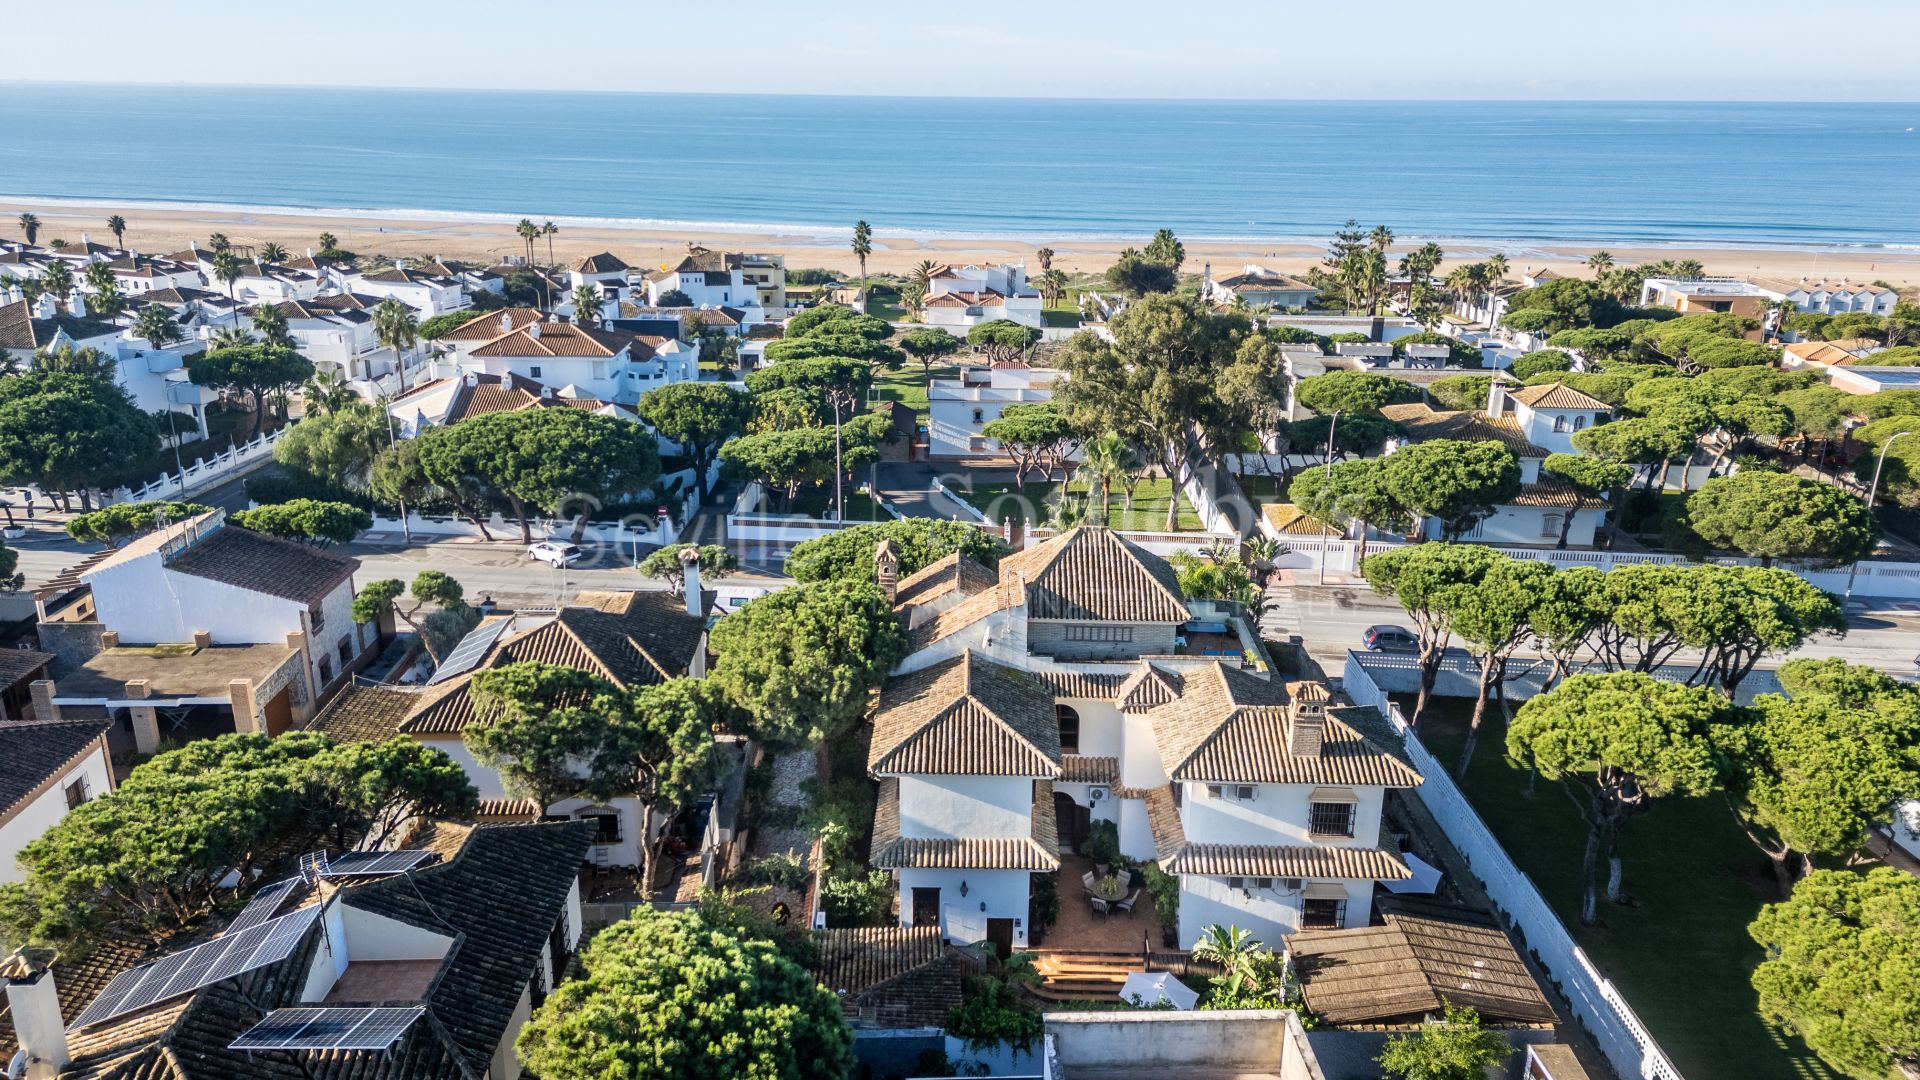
(1580, 422)
(1069, 728)
(1559, 423)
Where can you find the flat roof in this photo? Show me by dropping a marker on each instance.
(175, 671)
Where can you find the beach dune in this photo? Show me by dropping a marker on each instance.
(160, 230)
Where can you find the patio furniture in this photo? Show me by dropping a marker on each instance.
(1086, 881)
(1099, 905)
(1110, 888)
(1127, 904)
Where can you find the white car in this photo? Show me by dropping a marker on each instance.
(555, 553)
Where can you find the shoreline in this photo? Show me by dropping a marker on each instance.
(158, 227)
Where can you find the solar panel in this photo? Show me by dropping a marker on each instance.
(189, 970)
(371, 863)
(471, 650)
(263, 905)
(320, 1028)
(313, 865)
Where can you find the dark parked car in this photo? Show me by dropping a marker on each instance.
(1386, 638)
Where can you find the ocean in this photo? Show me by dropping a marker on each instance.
(1642, 173)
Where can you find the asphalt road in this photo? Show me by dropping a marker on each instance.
(1332, 619)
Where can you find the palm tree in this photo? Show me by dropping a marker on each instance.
(1372, 279)
(1053, 286)
(329, 242)
(547, 231)
(58, 279)
(271, 325)
(219, 243)
(1430, 256)
(586, 305)
(232, 337)
(106, 301)
(1045, 258)
(117, 225)
(30, 225)
(1108, 458)
(157, 325)
(327, 392)
(272, 252)
(226, 268)
(1382, 238)
(528, 231)
(922, 274)
(1497, 266)
(57, 244)
(99, 277)
(1600, 262)
(396, 327)
(862, 247)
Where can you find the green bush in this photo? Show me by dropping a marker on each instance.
(857, 899)
(993, 1013)
(1103, 842)
(1043, 900)
(1165, 890)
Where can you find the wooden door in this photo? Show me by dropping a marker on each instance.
(1000, 933)
(926, 907)
(279, 712)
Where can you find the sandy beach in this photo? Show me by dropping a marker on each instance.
(158, 231)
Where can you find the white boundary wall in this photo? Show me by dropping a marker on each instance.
(1594, 999)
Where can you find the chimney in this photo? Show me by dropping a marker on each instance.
(886, 566)
(36, 1012)
(43, 707)
(1496, 399)
(109, 639)
(203, 639)
(533, 330)
(506, 322)
(473, 378)
(1309, 729)
(690, 581)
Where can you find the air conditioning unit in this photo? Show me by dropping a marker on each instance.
(1096, 794)
(1291, 884)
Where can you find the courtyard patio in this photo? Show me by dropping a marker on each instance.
(1081, 929)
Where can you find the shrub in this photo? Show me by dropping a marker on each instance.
(1103, 842)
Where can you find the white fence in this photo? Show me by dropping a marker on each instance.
(205, 472)
(1593, 998)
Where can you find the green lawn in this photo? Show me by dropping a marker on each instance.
(1680, 953)
(1149, 513)
(909, 384)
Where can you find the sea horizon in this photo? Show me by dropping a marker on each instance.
(1682, 175)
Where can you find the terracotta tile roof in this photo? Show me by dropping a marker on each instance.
(1096, 574)
(19, 664)
(1819, 352)
(1555, 493)
(702, 259)
(1163, 822)
(482, 394)
(263, 564)
(487, 326)
(1557, 396)
(890, 976)
(1423, 422)
(20, 330)
(1275, 860)
(364, 713)
(1259, 282)
(1289, 520)
(79, 979)
(557, 339)
(33, 753)
(965, 613)
(1787, 285)
(1082, 769)
(1427, 956)
(1146, 687)
(603, 263)
(1038, 852)
(954, 572)
(1229, 726)
(1079, 684)
(645, 640)
(966, 716)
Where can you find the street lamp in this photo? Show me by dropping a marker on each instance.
(1873, 490)
(1332, 425)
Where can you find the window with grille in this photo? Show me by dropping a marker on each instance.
(76, 792)
(1550, 525)
(1103, 633)
(1330, 819)
(1323, 914)
(1069, 728)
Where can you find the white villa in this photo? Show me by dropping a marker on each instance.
(335, 331)
(721, 279)
(957, 409)
(630, 639)
(1257, 285)
(156, 378)
(1075, 685)
(962, 296)
(1746, 296)
(429, 288)
(578, 361)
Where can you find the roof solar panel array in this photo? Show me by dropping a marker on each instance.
(189, 970)
(330, 1028)
(263, 905)
(470, 651)
(365, 863)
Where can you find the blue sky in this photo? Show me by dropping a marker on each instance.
(1526, 49)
